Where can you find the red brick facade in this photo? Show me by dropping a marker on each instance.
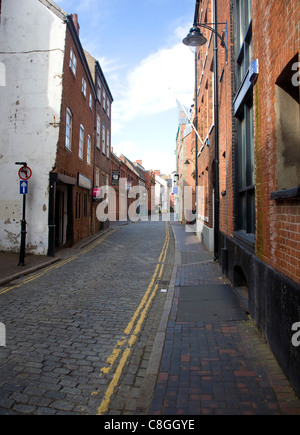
(256, 171)
(278, 221)
(73, 170)
(102, 134)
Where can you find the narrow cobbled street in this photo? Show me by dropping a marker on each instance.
(80, 332)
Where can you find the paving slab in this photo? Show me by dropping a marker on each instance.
(208, 303)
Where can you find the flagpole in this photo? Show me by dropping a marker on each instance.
(192, 124)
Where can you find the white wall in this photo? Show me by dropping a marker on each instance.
(162, 192)
(30, 105)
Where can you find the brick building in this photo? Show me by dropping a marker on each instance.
(248, 109)
(185, 166)
(73, 172)
(102, 139)
(149, 177)
(124, 177)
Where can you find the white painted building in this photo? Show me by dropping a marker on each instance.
(30, 104)
(162, 195)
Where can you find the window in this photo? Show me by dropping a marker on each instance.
(243, 105)
(97, 178)
(69, 120)
(98, 132)
(81, 142)
(104, 99)
(243, 39)
(103, 138)
(99, 90)
(246, 176)
(108, 108)
(83, 87)
(107, 144)
(91, 102)
(73, 62)
(89, 150)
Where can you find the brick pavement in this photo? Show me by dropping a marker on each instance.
(219, 364)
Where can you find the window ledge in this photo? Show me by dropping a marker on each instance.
(286, 194)
(246, 240)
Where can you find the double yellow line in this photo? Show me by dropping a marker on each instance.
(57, 265)
(133, 329)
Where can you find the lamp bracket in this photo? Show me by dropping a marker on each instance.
(208, 26)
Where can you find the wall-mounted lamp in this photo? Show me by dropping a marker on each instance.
(196, 39)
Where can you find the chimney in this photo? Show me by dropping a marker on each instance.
(139, 162)
(76, 24)
(157, 172)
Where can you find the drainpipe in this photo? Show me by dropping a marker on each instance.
(216, 115)
(51, 216)
(196, 138)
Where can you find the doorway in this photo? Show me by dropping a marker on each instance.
(61, 215)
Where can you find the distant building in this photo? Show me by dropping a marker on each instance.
(186, 168)
(150, 181)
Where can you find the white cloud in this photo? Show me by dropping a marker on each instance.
(153, 86)
(126, 147)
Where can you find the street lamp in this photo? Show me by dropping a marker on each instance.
(196, 39)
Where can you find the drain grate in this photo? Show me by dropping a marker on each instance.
(161, 282)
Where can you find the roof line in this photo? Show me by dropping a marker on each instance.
(53, 7)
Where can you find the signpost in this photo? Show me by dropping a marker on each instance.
(23, 187)
(25, 174)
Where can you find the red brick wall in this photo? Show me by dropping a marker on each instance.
(276, 36)
(276, 40)
(205, 117)
(101, 160)
(68, 162)
(206, 120)
(226, 138)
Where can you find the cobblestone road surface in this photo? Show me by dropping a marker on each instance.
(79, 335)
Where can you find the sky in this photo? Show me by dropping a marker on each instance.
(139, 47)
